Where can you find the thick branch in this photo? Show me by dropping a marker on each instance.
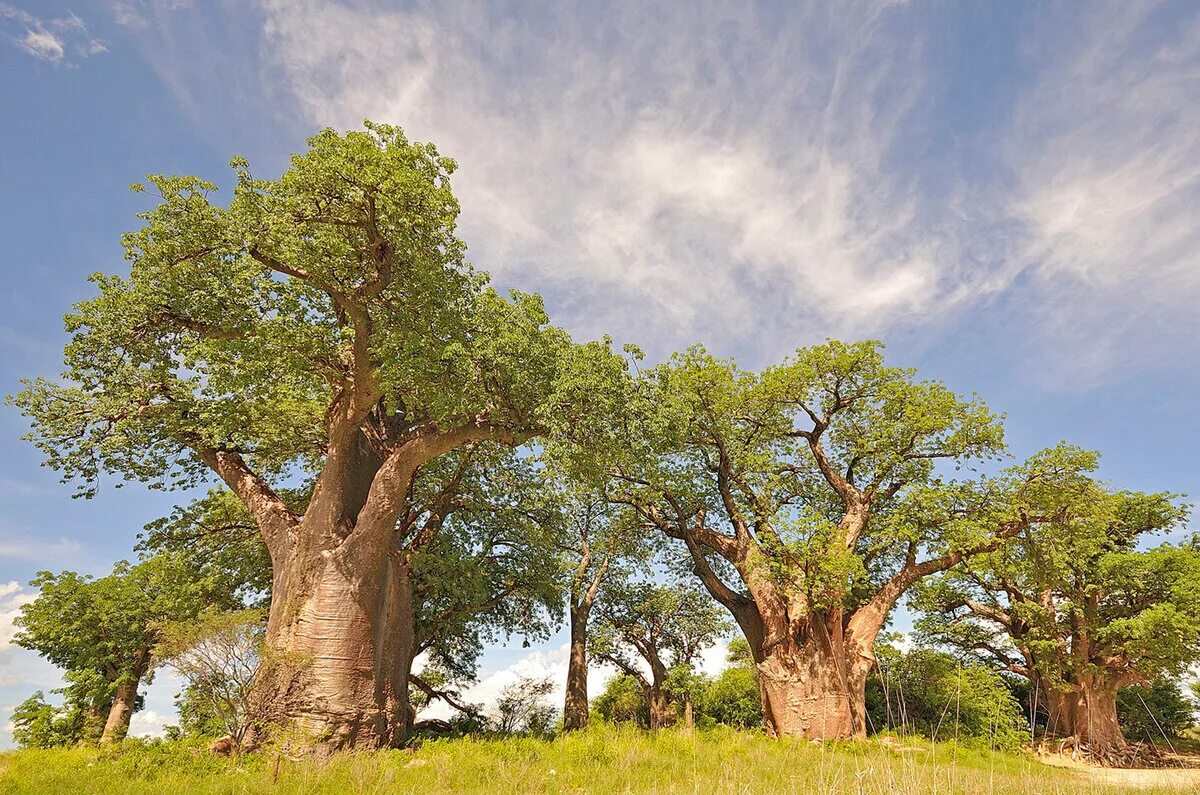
(268, 509)
(391, 482)
(868, 619)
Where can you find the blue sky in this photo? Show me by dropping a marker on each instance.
(1007, 193)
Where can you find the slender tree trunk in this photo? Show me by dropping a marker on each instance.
(119, 715)
(689, 711)
(575, 708)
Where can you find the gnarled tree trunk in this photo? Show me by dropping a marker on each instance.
(342, 624)
(662, 710)
(1087, 711)
(806, 692)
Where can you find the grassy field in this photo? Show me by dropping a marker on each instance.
(603, 760)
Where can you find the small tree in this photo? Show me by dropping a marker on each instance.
(221, 657)
(732, 697)
(930, 692)
(1155, 711)
(522, 707)
(623, 700)
(38, 724)
(663, 627)
(598, 545)
(103, 631)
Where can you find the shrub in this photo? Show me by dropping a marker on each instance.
(932, 693)
(623, 701)
(733, 699)
(1147, 712)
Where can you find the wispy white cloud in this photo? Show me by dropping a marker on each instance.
(759, 177)
(43, 44)
(51, 39)
(1106, 156)
(137, 14)
(710, 171)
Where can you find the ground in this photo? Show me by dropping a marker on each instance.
(602, 760)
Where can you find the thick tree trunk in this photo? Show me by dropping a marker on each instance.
(1088, 712)
(806, 692)
(575, 708)
(662, 711)
(121, 711)
(342, 621)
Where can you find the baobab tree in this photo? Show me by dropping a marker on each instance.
(596, 546)
(103, 631)
(795, 492)
(1073, 605)
(646, 630)
(325, 322)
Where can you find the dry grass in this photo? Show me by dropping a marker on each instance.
(602, 760)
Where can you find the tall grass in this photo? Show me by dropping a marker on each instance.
(604, 759)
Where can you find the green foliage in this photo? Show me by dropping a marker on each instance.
(732, 699)
(773, 463)
(623, 701)
(487, 565)
(1077, 597)
(37, 724)
(667, 626)
(103, 631)
(239, 325)
(930, 692)
(220, 539)
(1155, 711)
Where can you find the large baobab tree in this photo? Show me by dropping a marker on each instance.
(326, 323)
(1073, 605)
(795, 492)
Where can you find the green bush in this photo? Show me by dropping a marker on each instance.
(1147, 712)
(930, 692)
(733, 699)
(38, 724)
(623, 701)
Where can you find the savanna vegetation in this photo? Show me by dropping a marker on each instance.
(405, 465)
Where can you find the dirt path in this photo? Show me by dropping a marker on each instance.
(1178, 779)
